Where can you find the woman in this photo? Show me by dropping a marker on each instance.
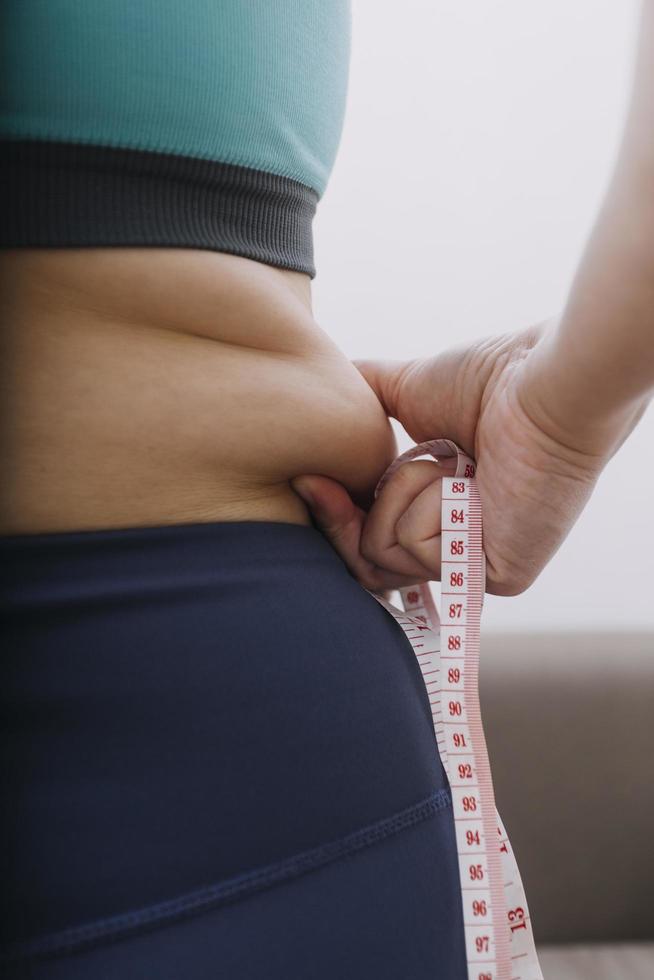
(219, 749)
(218, 746)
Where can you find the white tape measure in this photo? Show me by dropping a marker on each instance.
(498, 934)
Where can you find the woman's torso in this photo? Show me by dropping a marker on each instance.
(147, 386)
(158, 376)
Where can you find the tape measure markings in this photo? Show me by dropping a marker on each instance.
(495, 916)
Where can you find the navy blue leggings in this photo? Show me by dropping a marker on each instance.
(219, 762)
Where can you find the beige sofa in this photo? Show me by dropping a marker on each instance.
(569, 721)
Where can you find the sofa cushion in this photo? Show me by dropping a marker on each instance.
(569, 719)
(614, 961)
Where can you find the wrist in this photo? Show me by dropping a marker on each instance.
(561, 394)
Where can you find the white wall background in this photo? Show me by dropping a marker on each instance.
(478, 141)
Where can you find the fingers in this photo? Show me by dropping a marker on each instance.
(334, 512)
(397, 543)
(341, 521)
(403, 530)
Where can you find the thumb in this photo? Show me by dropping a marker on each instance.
(386, 379)
(423, 394)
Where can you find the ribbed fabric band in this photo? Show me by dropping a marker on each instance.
(62, 194)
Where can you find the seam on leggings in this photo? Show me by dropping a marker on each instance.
(231, 889)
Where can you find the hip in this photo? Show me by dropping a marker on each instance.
(187, 705)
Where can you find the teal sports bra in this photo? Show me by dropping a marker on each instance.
(182, 123)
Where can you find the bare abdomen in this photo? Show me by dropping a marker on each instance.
(155, 386)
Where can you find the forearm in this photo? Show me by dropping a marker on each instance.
(597, 363)
(595, 367)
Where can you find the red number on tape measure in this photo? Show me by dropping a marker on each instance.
(517, 919)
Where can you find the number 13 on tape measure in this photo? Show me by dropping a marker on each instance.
(498, 934)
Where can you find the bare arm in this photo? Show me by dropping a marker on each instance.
(542, 410)
(595, 370)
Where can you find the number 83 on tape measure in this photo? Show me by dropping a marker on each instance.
(498, 934)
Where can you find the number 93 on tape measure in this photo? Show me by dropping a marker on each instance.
(498, 934)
